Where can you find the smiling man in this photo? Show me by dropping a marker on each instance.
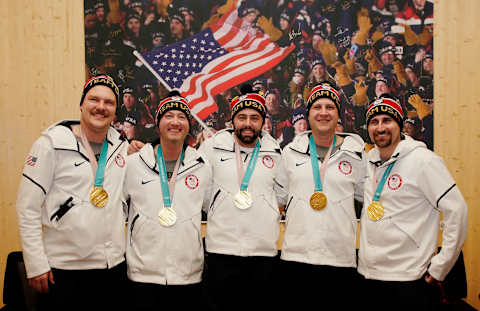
(69, 206)
(243, 214)
(166, 184)
(325, 173)
(406, 189)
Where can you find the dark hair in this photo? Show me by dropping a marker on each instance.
(174, 93)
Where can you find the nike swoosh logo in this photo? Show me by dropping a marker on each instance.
(222, 159)
(79, 163)
(298, 164)
(146, 182)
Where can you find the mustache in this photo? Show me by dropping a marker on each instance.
(101, 111)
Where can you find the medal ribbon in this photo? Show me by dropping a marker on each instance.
(162, 171)
(244, 177)
(98, 169)
(376, 196)
(314, 159)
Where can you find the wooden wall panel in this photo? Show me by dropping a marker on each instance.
(41, 77)
(457, 114)
(42, 57)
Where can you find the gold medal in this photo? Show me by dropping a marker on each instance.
(167, 216)
(243, 200)
(98, 196)
(318, 201)
(375, 211)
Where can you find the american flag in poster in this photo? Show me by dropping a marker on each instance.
(218, 58)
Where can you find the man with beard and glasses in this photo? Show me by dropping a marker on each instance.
(243, 213)
(325, 173)
(407, 188)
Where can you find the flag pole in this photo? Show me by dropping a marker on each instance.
(155, 73)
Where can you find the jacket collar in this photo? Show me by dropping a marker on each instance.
(351, 142)
(62, 137)
(406, 145)
(147, 155)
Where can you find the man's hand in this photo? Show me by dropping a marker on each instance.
(430, 279)
(135, 146)
(40, 282)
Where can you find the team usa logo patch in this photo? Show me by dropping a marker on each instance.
(394, 182)
(345, 167)
(267, 161)
(120, 160)
(191, 181)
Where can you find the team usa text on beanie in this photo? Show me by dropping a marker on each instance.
(100, 80)
(172, 102)
(250, 100)
(323, 90)
(388, 106)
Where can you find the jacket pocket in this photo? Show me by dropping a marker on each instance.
(62, 210)
(348, 206)
(271, 202)
(68, 206)
(145, 245)
(288, 204)
(295, 216)
(132, 225)
(197, 262)
(217, 200)
(386, 232)
(341, 227)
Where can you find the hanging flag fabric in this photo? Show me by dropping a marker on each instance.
(218, 58)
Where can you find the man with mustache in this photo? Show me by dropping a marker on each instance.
(406, 189)
(243, 213)
(69, 207)
(325, 171)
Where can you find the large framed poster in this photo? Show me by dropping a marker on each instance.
(365, 47)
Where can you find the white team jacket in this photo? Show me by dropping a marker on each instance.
(328, 236)
(400, 246)
(158, 254)
(250, 232)
(58, 225)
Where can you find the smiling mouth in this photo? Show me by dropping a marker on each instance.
(99, 116)
(174, 130)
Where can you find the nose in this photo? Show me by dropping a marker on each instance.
(380, 126)
(248, 122)
(101, 105)
(323, 110)
(175, 120)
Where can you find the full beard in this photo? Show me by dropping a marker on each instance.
(247, 139)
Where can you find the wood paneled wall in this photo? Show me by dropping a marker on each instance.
(42, 70)
(457, 114)
(41, 76)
